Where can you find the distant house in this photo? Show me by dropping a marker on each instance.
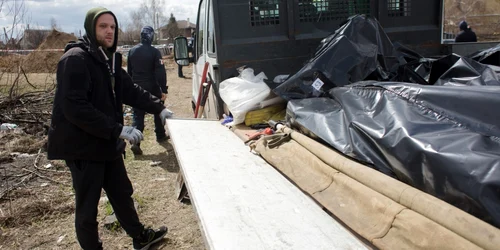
(185, 26)
(32, 38)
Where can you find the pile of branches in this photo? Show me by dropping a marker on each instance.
(31, 110)
(15, 175)
(42, 183)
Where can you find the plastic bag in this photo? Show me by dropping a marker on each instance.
(7, 126)
(244, 93)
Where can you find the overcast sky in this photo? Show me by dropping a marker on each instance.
(70, 14)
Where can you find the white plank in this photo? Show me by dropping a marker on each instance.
(244, 203)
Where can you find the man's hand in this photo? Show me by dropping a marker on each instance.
(163, 96)
(165, 114)
(131, 134)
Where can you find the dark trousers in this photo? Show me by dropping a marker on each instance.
(138, 123)
(179, 71)
(89, 177)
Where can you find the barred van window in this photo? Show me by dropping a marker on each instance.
(264, 12)
(328, 10)
(399, 8)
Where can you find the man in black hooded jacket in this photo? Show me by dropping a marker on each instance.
(466, 34)
(87, 129)
(145, 66)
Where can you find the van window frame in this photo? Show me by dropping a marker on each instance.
(201, 23)
(211, 44)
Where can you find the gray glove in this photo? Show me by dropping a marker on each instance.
(165, 114)
(131, 134)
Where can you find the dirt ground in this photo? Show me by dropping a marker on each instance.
(37, 201)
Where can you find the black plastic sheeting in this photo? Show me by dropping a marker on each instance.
(358, 50)
(456, 70)
(488, 56)
(444, 140)
(451, 69)
(430, 122)
(416, 70)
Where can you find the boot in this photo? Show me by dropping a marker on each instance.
(149, 237)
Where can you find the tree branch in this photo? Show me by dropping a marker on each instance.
(26, 77)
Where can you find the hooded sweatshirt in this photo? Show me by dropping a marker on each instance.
(90, 23)
(466, 34)
(145, 64)
(147, 35)
(87, 114)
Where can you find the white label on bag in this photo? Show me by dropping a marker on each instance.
(317, 84)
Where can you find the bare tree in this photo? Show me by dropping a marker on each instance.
(153, 13)
(32, 38)
(53, 24)
(460, 9)
(172, 29)
(149, 13)
(77, 33)
(131, 32)
(17, 13)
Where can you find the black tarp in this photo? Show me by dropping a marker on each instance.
(431, 123)
(489, 56)
(444, 140)
(457, 70)
(358, 50)
(416, 70)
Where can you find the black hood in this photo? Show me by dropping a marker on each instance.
(147, 35)
(90, 22)
(463, 25)
(80, 43)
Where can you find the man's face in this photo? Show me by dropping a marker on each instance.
(105, 30)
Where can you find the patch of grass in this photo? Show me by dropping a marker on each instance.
(32, 82)
(115, 227)
(140, 201)
(36, 211)
(108, 208)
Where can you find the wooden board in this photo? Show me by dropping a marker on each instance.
(244, 203)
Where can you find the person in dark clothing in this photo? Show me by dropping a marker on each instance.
(179, 71)
(87, 129)
(191, 45)
(466, 34)
(145, 66)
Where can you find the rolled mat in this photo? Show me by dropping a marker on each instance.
(383, 210)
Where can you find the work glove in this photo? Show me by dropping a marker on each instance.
(165, 114)
(133, 135)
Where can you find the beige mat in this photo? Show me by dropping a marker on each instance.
(385, 211)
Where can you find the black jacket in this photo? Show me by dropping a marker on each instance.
(87, 115)
(145, 66)
(466, 36)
